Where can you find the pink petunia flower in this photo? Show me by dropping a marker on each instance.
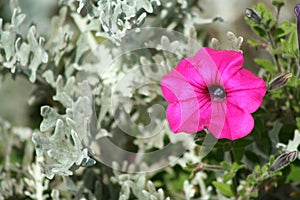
(211, 90)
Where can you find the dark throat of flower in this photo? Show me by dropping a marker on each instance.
(217, 93)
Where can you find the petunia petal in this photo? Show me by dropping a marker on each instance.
(187, 94)
(184, 116)
(245, 90)
(217, 118)
(189, 116)
(206, 67)
(191, 74)
(235, 125)
(175, 87)
(228, 62)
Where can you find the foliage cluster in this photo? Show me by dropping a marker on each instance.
(99, 70)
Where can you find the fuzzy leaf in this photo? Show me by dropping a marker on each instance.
(69, 143)
(293, 144)
(39, 54)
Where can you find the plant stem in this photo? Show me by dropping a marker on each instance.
(298, 68)
(275, 58)
(213, 167)
(297, 77)
(234, 179)
(277, 14)
(273, 45)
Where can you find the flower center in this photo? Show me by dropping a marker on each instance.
(217, 93)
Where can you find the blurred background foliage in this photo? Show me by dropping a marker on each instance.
(263, 165)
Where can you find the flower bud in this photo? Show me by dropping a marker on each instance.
(278, 3)
(297, 13)
(253, 15)
(279, 81)
(283, 160)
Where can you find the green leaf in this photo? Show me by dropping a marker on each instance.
(264, 169)
(254, 43)
(257, 169)
(294, 174)
(242, 192)
(285, 28)
(254, 194)
(267, 65)
(224, 188)
(272, 158)
(290, 47)
(251, 179)
(277, 51)
(175, 181)
(226, 166)
(285, 45)
(228, 177)
(267, 16)
(293, 42)
(298, 122)
(236, 166)
(260, 31)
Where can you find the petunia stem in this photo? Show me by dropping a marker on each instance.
(297, 77)
(273, 45)
(200, 167)
(297, 13)
(275, 57)
(277, 13)
(298, 68)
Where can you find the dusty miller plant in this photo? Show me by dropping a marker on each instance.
(99, 68)
(61, 64)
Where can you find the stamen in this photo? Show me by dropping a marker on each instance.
(217, 93)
